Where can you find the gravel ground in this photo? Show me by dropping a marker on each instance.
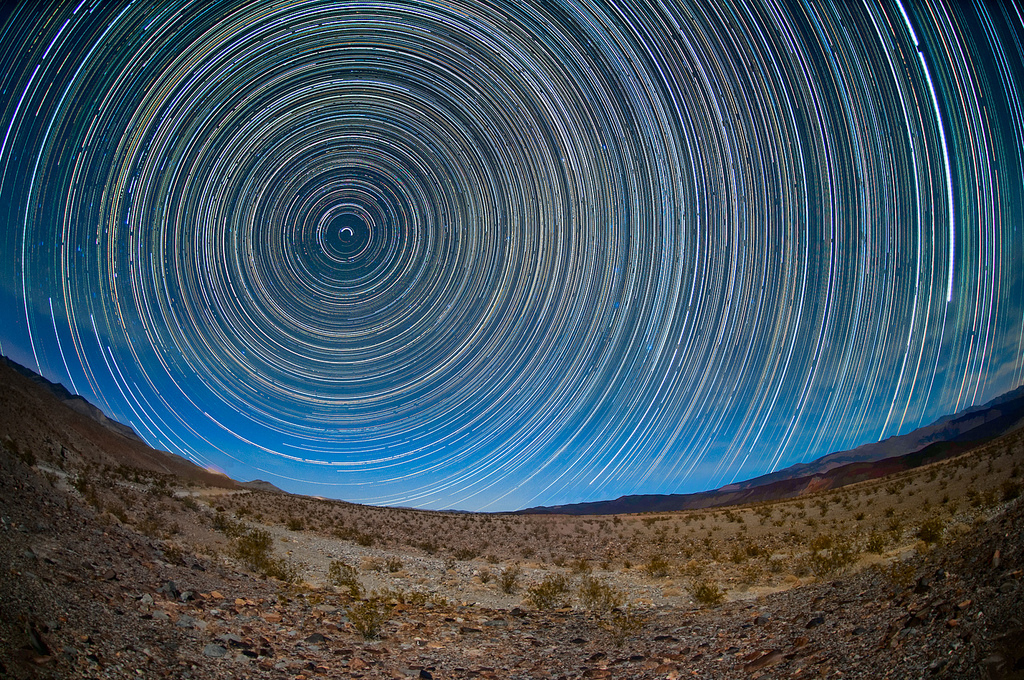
(83, 597)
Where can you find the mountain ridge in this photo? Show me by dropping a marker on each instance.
(946, 437)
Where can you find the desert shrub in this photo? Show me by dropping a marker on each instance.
(706, 592)
(393, 565)
(831, 554)
(900, 573)
(464, 554)
(876, 543)
(580, 566)
(295, 524)
(255, 551)
(230, 528)
(657, 567)
(1011, 489)
(931, 530)
(551, 593)
(508, 579)
(623, 624)
(344, 575)
(429, 546)
(597, 595)
(369, 616)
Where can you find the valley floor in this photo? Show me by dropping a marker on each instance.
(86, 596)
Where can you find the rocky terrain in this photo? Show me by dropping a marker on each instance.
(114, 570)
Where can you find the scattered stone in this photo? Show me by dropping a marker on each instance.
(214, 650)
(815, 622)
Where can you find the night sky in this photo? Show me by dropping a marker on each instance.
(485, 256)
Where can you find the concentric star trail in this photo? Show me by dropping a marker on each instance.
(489, 255)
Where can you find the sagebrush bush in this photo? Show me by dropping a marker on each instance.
(368, 617)
(508, 579)
(706, 592)
(596, 595)
(551, 593)
(255, 550)
(623, 624)
(657, 567)
(831, 554)
(931, 530)
(344, 575)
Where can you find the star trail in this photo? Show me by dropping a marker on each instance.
(491, 255)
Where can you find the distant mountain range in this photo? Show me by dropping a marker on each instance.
(947, 437)
(87, 432)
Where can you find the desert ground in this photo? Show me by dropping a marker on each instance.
(109, 570)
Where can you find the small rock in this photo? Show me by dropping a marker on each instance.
(161, 615)
(272, 617)
(762, 619)
(996, 560)
(815, 622)
(185, 621)
(216, 595)
(146, 599)
(232, 640)
(767, 659)
(665, 638)
(187, 596)
(170, 589)
(316, 639)
(914, 622)
(214, 650)
(424, 674)
(37, 642)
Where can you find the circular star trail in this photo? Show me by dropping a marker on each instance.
(490, 255)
